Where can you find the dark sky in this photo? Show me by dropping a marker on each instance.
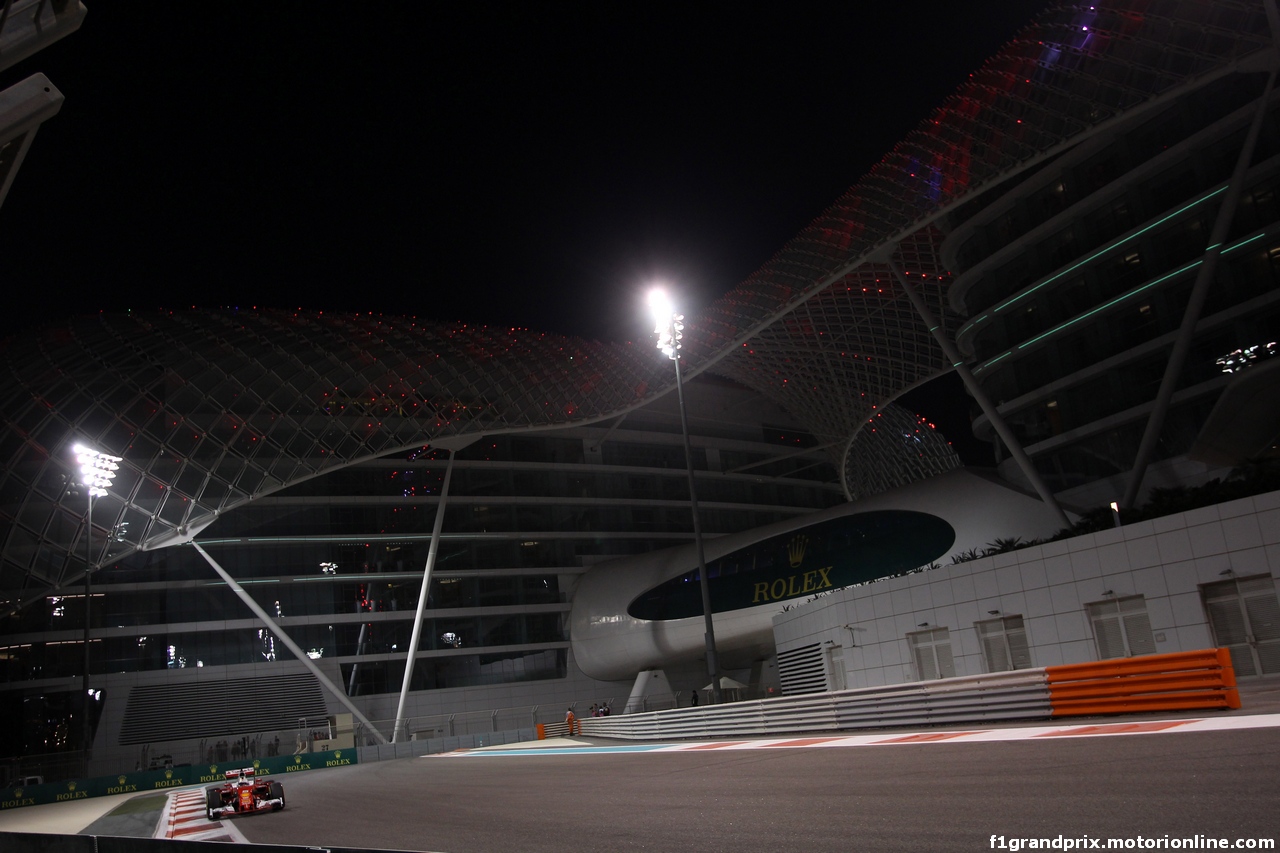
(529, 164)
(532, 164)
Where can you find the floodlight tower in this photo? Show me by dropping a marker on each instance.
(670, 330)
(97, 470)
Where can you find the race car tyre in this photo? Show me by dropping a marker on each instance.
(277, 793)
(212, 800)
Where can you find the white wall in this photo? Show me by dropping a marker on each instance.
(1165, 559)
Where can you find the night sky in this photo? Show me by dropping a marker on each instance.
(532, 164)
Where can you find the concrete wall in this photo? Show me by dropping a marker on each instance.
(1165, 559)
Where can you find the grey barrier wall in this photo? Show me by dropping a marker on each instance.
(173, 777)
(433, 746)
(177, 777)
(30, 842)
(1021, 694)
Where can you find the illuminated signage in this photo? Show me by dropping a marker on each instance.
(823, 556)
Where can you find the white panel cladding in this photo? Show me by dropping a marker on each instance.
(1059, 580)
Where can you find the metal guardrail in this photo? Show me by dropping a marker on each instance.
(1187, 680)
(463, 723)
(434, 746)
(998, 696)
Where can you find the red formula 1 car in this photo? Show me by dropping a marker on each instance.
(243, 793)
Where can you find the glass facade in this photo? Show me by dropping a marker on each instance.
(337, 560)
(1076, 280)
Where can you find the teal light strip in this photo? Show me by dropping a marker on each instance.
(1121, 298)
(1118, 299)
(1252, 239)
(1103, 251)
(994, 360)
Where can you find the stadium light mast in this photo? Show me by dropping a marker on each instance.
(97, 471)
(670, 331)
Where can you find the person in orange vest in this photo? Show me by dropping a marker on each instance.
(569, 718)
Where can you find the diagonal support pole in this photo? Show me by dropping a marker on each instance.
(289, 643)
(398, 731)
(988, 407)
(1195, 302)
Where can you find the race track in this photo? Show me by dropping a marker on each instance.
(910, 796)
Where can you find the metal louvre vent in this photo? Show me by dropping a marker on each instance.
(801, 670)
(208, 709)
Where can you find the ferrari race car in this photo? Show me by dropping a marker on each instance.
(243, 793)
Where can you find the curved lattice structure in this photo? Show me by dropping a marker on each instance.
(823, 330)
(213, 409)
(894, 449)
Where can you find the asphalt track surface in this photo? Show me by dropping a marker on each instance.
(917, 797)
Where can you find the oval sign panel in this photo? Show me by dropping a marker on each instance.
(823, 556)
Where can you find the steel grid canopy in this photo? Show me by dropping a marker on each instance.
(212, 409)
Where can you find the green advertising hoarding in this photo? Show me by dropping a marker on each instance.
(144, 781)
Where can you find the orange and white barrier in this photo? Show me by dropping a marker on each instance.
(1173, 682)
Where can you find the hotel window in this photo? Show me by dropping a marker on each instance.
(1004, 644)
(931, 651)
(1121, 627)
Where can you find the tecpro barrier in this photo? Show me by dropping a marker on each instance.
(143, 781)
(1173, 682)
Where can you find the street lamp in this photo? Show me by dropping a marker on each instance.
(670, 329)
(97, 470)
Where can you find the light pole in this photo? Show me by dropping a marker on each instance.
(97, 470)
(670, 329)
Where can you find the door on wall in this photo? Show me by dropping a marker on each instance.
(931, 651)
(1245, 617)
(1121, 627)
(1004, 643)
